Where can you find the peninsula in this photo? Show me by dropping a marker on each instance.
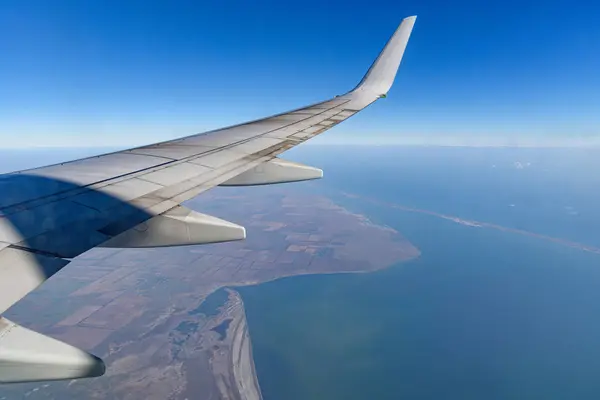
(169, 322)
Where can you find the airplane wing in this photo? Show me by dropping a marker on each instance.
(132, 198)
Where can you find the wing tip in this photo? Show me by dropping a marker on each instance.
(408, 21)
(380, 76)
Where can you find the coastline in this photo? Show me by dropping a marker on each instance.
(169, 323)
(242, 360)
(232, 364)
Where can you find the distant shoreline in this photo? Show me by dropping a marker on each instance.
(480, 224)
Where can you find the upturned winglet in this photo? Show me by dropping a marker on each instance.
(380, 76)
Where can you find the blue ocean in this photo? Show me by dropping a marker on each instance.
(483, 313)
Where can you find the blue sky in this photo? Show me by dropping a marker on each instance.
(120, 73)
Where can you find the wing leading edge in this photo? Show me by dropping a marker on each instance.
(132, 198)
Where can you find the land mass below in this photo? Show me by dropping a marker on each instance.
(158, 317)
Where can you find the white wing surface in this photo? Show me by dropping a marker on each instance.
(132, 198)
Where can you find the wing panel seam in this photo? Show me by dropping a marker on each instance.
(136, 173)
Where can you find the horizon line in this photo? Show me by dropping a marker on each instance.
(330, 144)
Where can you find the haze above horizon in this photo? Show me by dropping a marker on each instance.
(113, 74)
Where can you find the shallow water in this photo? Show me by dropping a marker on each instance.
(481, 314)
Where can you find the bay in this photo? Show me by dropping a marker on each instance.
(482, 313)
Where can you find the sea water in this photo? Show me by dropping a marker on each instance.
(482, 313)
